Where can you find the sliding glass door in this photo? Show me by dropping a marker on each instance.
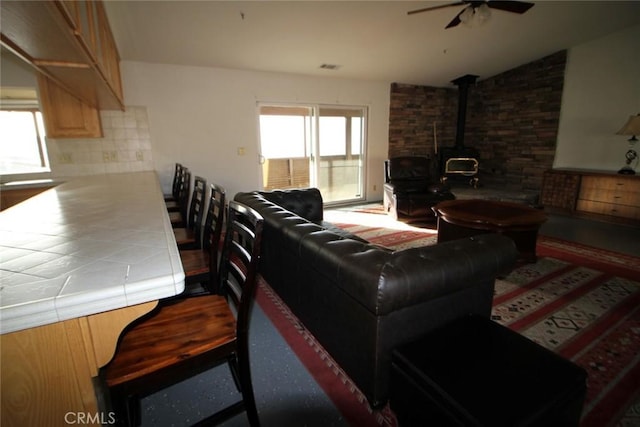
(314, 145)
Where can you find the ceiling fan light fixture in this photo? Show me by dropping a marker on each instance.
(474, 16)
(467, 16)
(483, 13)
(477, 12)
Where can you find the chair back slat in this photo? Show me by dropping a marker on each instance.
(212, 231)
(197, 208)
(240, 259)
(175, 185)
(184, 192)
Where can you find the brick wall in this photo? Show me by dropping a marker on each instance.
(512, 120)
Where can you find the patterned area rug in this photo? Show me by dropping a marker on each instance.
(581, 302)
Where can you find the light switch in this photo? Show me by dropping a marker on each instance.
(241, 151)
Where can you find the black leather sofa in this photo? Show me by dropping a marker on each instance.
(411, 189)
(360, 300)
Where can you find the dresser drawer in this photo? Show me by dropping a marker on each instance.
(618, 190)
(599, 195)
(612, 183)
(610, 196)
(612, 209)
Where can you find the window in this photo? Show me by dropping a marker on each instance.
(314, 145)
(22, 142)
(284, 136)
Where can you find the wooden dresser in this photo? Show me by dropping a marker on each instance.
(606, 196)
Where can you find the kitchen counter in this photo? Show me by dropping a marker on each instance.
(79, 262)
(89, 245)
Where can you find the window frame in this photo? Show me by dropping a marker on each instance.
(40, 140)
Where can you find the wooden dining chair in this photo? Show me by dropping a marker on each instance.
(190, 236)
(171, 198)
(189, 336)
(201, 265)
(179, 218)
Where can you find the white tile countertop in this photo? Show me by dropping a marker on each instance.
(92, 244)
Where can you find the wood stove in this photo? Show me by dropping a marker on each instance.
(465, 167)
(460, 162)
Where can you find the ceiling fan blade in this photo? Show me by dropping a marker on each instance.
(510, 6)
(455, 21)
(442, 6)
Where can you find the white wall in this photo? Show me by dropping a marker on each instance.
(601, 90)
(201, 116)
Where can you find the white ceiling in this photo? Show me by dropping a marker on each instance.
(370, 40)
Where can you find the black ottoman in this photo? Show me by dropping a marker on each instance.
(475, 372)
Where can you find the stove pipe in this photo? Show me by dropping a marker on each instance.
(463, 90)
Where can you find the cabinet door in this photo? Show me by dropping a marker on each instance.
(108, 58)
(65, 116)
(65, 40)
(10, 198)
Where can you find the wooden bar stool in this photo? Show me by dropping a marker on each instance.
(190, 237)
(189, 336)
(179, 218)
(171, 199)
(201, 265)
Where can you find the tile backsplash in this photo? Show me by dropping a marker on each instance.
(125, 147)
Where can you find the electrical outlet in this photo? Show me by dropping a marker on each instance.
(66, 158)
(241, 151)
(139, 156)
(375, 187)
(113, 156)
(105, 156)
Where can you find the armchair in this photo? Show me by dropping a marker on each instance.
(410, 190)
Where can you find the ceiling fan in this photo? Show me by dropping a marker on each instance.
(478, 11)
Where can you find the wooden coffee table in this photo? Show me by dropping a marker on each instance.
(464, 218)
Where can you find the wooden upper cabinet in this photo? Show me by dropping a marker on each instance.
(64, 115)
(108, 59)
(68, 41)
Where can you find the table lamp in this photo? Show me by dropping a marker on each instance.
(631, 127)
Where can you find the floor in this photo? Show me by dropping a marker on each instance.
(618, 238)
(287, 395)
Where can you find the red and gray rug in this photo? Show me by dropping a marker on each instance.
(579, 301)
